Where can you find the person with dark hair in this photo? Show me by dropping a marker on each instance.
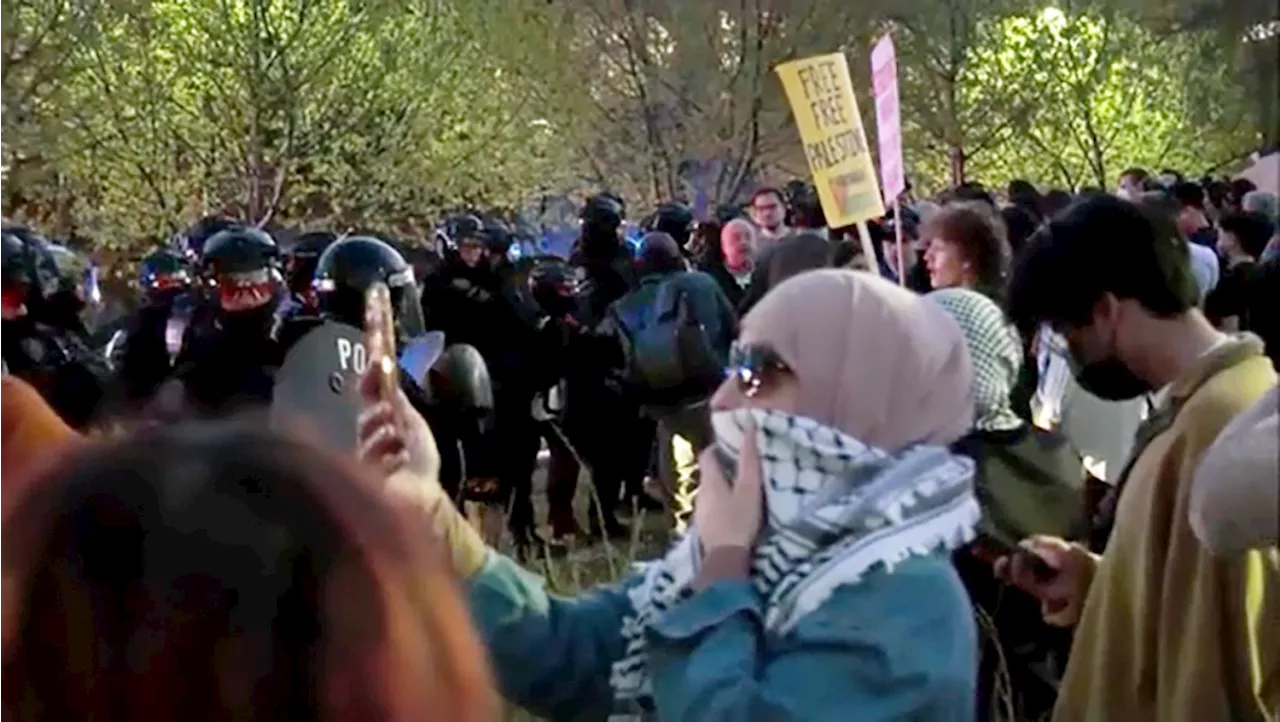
(1216, 191)
(1020, 224)
(1240, 187)
(968, 248)
(673, 335)
(202, 573)
(1022, 194)
(1056, 201)
(1193, 224)
(1119, 287)
(971, 192)
(1132, 183)
(1241, 239)
(769, 213)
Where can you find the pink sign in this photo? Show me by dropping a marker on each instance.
(884, 83)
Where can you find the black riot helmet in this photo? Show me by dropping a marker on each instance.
(497, 237)
(552, 285)
(241, 268)
(604, 213)
(463, 226)
(16, 279)
(29, 271)
(674, 219)
(466, 238)
(349, 267)
(300, 263)
(163, 274)
(72, 271)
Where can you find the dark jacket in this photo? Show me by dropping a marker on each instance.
(729, 286)
(706, 302)
(603, 279)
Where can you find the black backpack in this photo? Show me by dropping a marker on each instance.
(668, 352)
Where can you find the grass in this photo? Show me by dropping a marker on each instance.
(589, 564)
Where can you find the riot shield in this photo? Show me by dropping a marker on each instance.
(316, 392)
(420, 354)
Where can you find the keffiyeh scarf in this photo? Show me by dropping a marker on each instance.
(834, 509)
(995, 351)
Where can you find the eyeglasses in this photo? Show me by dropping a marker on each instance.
(755, 367)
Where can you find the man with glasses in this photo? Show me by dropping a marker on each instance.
(769, 213)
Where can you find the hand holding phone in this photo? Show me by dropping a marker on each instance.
(380, 338)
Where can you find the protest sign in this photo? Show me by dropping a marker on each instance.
(820, 91)
(884, 83)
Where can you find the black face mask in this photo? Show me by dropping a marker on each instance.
(1108, 379)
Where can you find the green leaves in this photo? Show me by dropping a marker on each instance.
(270, 110)
(1069, 100)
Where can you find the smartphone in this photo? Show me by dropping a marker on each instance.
(380, 338)
(1040, 569)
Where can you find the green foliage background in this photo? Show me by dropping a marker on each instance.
(125, 119)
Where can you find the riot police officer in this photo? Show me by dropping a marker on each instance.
(596, 413)
(475, 300)
(676, 220)
(456, 397)
(231, 348)
(144, 351)
(68, 304)
(41, 343)
(604, 263)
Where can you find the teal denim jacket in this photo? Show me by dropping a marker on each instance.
(899, 646)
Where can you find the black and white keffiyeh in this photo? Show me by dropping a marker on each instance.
(995, 351)
(834, 509)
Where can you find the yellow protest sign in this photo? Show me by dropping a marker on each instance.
(820, 91)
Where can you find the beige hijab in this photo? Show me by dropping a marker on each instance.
(874, 360)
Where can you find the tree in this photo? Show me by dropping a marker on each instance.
(37, 41)
(365, 112)
(680, 98)
(955, 109)
(1111, 94)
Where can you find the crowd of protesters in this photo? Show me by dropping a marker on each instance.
(1021, 467)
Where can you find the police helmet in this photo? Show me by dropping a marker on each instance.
(604, 211)
(240, 266)
(552, 285)
(674, 219)
(29, 271)
(163, 272)
(14, 275)
(497, 237)
(462, 227)
(301, 259)
(460, 379)
(349, 267)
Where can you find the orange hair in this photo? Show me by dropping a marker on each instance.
(30, 434)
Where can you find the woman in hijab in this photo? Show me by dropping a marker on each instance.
(815, 581)
(1028, 481)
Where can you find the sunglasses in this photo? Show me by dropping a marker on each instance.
(754, 367)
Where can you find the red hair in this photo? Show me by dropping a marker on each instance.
(223, 573)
